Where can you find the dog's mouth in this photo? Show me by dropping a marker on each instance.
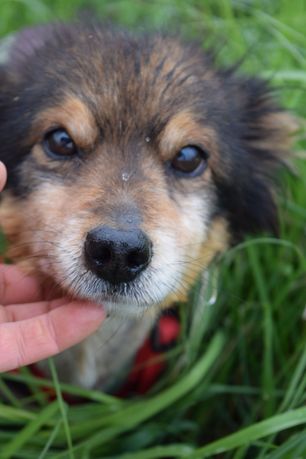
(145, 292)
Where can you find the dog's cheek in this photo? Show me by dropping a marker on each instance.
(33, 227)
(19, 223)
(204, 237)
(186, 239)
(12, 223)
(54, 207)
(216, 241)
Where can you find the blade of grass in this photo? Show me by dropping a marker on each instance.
(15, 414)
(202, 312)
(93, 395)
(21, 438)
(9, 394)
(267, 326)
(162, 452)
(289, 449)
(266, 241)
(257, 431)
(40, 396)
(63, 407)
(50, 440)
(292, 390)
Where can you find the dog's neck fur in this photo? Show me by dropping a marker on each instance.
(97, 362)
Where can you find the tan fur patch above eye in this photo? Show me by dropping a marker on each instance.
(74, 116)
(183, 130)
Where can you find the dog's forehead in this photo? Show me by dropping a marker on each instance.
(142, 80)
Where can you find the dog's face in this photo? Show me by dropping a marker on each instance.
(132, 161)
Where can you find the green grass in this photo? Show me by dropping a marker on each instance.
(236, 383)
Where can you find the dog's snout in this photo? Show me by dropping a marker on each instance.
(117, 255)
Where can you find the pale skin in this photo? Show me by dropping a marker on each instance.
(33, 328)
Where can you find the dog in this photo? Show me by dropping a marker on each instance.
(133, 161)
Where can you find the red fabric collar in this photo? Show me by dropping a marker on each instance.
(150, 361)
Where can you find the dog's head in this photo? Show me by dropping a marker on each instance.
(132, 161)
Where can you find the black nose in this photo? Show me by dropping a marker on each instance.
(117, 255)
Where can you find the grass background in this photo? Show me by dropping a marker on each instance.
(236, 383)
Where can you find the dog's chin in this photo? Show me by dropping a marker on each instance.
(126, 308)
(116, 302)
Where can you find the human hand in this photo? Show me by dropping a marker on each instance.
(32, 328)
(2, 175)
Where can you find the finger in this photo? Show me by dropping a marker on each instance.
(31, 340)
(2, 175)
(18, 312)
(16, 287)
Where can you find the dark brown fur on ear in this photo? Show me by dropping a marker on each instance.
(265, 131)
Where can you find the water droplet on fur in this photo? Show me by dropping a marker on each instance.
(148, 139)
(125, 176)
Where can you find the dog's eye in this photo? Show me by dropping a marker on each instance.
(58, 144)
(190, 161)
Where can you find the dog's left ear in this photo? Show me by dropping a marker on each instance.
(265, 133)
(269, 128)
